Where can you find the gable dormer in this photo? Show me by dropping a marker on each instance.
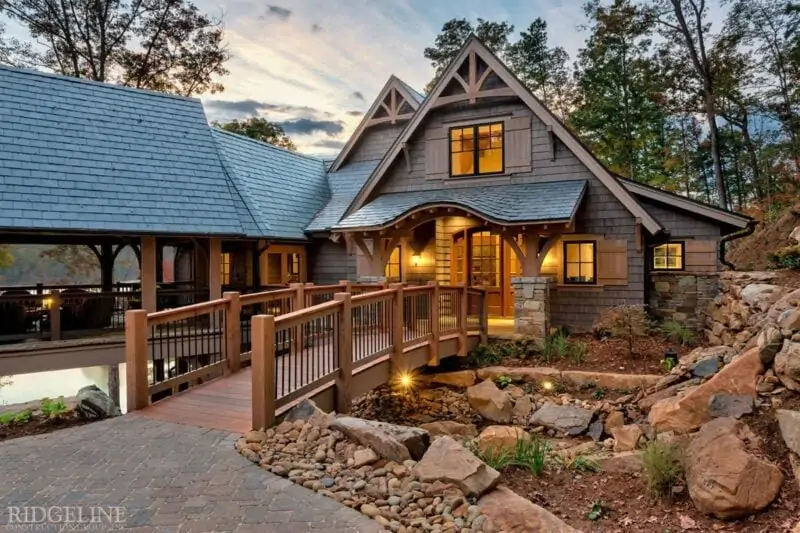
(394, 106)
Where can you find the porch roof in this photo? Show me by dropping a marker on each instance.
(515, 204)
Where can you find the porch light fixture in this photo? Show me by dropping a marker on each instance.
(415, 258)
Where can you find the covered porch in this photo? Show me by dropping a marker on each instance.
(502, 239)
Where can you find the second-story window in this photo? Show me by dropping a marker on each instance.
(476, 150)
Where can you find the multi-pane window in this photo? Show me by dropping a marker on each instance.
(293, 265)
(668, 256)
(580, 261)
(394, 268)
(476, 150)
(225, 269)
(485, 260)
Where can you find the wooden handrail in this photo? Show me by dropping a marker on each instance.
(371, 297)
(266, 296)
(316, 289)
(188, 311)
(417, 288)
(301, 316)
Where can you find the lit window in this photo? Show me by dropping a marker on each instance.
(294, 268)
(394, 268)
(579, 262)
(476, 150)
(668, 256)
(225, 269)
(485, 260)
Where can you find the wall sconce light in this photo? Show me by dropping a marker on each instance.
(415, 258)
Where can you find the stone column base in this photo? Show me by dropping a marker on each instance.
(532, 306)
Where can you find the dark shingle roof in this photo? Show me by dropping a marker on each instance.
(85, 156)
(518, 203)
(282, 189)
(344, 186)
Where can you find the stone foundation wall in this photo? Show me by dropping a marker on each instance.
(683, 297)
(532, 306)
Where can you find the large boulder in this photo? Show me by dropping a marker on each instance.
(789, 422)
(686, 413)
(627, 438)
(396, 443)
(495, 438)
(448, 427)
(511, 513)
(651, 399)
(490, 402)
(724, 405)
(787, 365)
(568, 419)
(448, 461)
(92, 404)
(761, 295)
(724, 477)
(459, 379)
(307, 411)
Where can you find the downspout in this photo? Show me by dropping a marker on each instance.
(747, 231)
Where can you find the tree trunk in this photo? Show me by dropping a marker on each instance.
(752, 158)
(713, 133)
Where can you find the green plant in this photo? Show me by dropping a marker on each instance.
(560, 387)
(599, 393)
(6, 418)
(678, 333)
(21, 417)
(668, 364)
(582, 464)
(788, 257)
(597, 511)
(53, 408)
(555, 346)
(663, 467)
(627, 322)
(532, 454)
(577, 351)
(495, 457)
(504, 381)
(484, 355)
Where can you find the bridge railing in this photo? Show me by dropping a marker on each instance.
(353, 343)
(169, 351)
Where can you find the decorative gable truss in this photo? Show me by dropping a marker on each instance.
(394, 104)
(478, 73)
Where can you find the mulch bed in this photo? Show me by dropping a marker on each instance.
(38, 425)
(610, 355)
(629, 508)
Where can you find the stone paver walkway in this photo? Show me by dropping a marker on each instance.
(167, 478)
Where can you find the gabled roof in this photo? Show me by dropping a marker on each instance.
(552, 202)
(282, 189)
(77, 155)
(397, 93)
(687, 204)
(344, 185)
(473, 45)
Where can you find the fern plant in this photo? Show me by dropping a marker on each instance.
(678, 333)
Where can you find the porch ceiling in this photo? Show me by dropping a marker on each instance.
(518, 204)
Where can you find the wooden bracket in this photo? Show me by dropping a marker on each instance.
(639, 239)
(407, 156)
(552, 138)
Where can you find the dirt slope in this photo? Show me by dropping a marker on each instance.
(752, 253)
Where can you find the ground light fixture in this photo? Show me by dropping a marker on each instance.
(547, 385)
(405, 381)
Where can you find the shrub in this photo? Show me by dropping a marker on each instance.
(54, 408)
(485, 355)
(497, 458)
(788, 257)
(628, 322)
(577, 351)
(555, 346)
(532, 454)
(22, 416)
(663, 467)
(678, 333)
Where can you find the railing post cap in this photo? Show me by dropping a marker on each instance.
(296, 285)
(342, 296)
(231, 294)
(433, 283)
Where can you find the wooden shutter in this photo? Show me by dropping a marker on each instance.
(437, 153)
(612, 262)
(518, 145)
(700, 256)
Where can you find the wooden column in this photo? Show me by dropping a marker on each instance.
(531, 265)
(136, 350)
(299, 303)
(462, 321)
(485, 318)
(233, 333)
(433, 345)
(214, 268)
(346, 285)
(148, 274)
(345, 354)
(263, 368)
(263, 264)
(398, 362)
(55, 316)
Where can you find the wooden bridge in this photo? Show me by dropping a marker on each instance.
(328, 343)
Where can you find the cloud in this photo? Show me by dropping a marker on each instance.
(316, 28)
(278, 12)
(357, 94)
(332, 144)
(307, 126)
(251, 107)
(355, 113)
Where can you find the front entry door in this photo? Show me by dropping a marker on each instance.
(484, 260)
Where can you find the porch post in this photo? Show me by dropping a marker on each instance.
(148, 274)
(214, 268)
(532, 306)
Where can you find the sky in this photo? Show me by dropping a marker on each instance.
(316, 65)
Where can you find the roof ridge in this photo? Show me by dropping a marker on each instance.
(104, 84)
(265, 144)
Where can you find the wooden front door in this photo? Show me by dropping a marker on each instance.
(483, 260)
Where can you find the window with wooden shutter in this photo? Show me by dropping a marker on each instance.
(518, 145)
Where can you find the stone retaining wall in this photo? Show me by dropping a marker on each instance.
(683, 297)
